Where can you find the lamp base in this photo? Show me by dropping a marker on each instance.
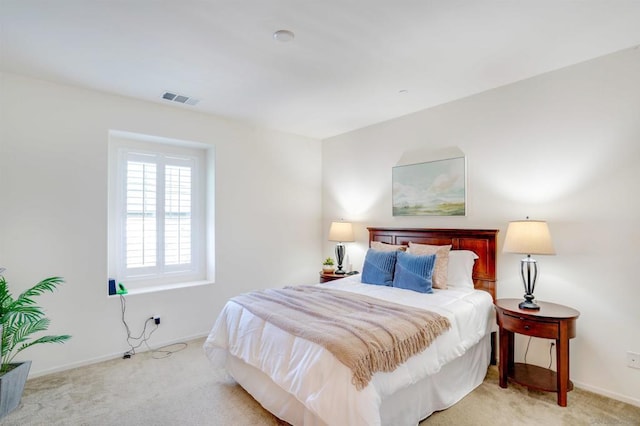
(340, 258)
(529, 273)
(528, 304)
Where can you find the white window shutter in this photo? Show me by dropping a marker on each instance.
(177, 215)
(141, 224)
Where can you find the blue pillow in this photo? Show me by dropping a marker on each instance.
(414, 272)
(378, 267)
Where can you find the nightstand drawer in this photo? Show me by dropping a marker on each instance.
(520, 325)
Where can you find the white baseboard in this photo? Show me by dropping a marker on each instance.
(608, 394)
(108, 357)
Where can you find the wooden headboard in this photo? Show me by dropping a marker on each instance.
(480, 241)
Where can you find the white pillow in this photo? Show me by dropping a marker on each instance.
(461, 268)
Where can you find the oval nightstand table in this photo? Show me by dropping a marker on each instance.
(551, 321)
(325, 277)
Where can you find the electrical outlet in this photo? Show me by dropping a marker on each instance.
(156, 319)
(633, 359)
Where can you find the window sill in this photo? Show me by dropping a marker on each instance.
(164, 287)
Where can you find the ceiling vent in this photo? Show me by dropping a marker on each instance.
(180, 98)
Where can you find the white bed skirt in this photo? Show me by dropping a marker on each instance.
(407, 406)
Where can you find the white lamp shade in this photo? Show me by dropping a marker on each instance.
(341, 232)
(528, 237)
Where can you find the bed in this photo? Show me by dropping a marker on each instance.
(303, 383)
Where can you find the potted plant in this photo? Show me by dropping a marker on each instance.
(328, 266)
(19, 319)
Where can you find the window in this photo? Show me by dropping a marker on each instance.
(157, 205)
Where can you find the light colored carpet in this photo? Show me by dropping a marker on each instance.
(184, 390)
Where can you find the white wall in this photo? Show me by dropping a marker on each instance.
(562, 147)
(53, 213)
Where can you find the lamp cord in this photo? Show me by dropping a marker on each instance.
(527, 350)
(550, 354)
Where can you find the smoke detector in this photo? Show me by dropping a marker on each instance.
(283, 36)
(180, 98)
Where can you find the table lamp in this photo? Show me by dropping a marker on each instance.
(528, 237)
(341, 232)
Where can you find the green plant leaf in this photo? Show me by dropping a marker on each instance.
(48, 284)
(44, 339)
(21, 318)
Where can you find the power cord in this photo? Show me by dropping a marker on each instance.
(165, 353)
(550, 354)
(527, 350)
(143, 338)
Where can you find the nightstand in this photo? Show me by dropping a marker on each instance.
(551, 321)
(324, 277)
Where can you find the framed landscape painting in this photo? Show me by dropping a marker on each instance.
(436, 188)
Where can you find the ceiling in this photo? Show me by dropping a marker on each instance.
(351, 64)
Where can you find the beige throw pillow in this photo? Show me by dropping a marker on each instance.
(377, 245)
(440, 271)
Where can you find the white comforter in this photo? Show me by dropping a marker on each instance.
(318, 380)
